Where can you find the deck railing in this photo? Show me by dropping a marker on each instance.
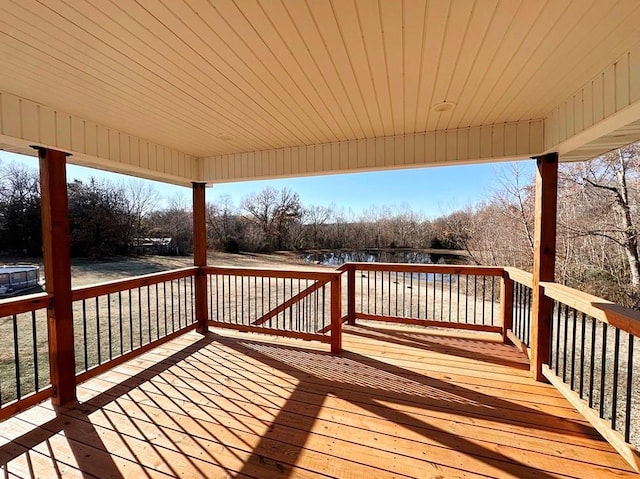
(519, 284)
(591, 341)
(116, 320)
(592, 362)
(24, 356)
(465, 297)
(298, 304)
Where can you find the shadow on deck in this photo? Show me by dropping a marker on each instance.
(398, 402)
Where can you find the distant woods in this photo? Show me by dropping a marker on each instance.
(598, 215)
(598, 220)
(105, 219)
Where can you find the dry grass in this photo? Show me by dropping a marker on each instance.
(144, 317)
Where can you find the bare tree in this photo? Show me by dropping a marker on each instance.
(609, 184)
(275, 212)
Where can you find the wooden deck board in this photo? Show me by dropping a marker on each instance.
(398, 402)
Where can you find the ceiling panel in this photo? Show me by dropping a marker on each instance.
(214, 77)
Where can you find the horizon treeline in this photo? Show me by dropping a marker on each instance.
(597, 218)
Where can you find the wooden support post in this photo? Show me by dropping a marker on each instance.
(506, 304)
(57, 271)
(351, 294)
(336, 314)
(200, 255)
(544, 259)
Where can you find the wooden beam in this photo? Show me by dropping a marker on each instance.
(544, 259)
(506, 305)
(200, 255)
(57, 271)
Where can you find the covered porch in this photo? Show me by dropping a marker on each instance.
(201, 93)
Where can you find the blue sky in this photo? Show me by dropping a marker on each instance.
(430, 191)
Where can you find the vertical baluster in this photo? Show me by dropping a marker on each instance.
(242, 319)
(36, 369)
(493, 285)
(16, 356)
(552, 329)
(603, 367)
(255, 295)
(403, 293)
(389, 291)
(191, 297)
(149, 314)
(109, 327)
(269, 303)
(157, 313)
(362, 294)
(484, 289)
(475, 297)
(573, 348)
(173, 314)
(411, 295)
(583, 332)
(375, 292)
(616, 364)
(120, 319)
(529, 303)
(557, 349)
(629, 398)
(466, 299)
(324, 299)
(98, 336)
(592, 361)
(140, 315)
(450, 296)
(458, 309)
(224, 296)
(85, 342)
(181, 301)
(565, 340)
(130, 321)
(434, 296)
(441, 296)
(164, 302)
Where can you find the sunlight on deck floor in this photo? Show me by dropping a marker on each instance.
(398, 402)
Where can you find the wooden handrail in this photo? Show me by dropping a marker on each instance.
(519, 276)
(109, 287)
(24, 304)
(618, 316)
(274, 273)
(429, 268)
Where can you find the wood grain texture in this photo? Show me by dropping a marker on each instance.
(544, 259)
(240, 405)
(57, 271)
(200, 255)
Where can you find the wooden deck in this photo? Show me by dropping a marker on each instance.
(398, 402)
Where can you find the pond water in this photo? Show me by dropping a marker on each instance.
(336, 258)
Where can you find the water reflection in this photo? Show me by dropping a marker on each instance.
(336, 258)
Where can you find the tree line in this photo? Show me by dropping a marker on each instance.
(597, 225)
(598, 214)
(105, 219)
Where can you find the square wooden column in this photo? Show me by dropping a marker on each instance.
(544, 259)
(200, 255)
(57, 270)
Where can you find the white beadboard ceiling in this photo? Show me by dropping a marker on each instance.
(210, 79)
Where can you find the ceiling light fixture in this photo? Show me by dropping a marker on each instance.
(444, 106)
